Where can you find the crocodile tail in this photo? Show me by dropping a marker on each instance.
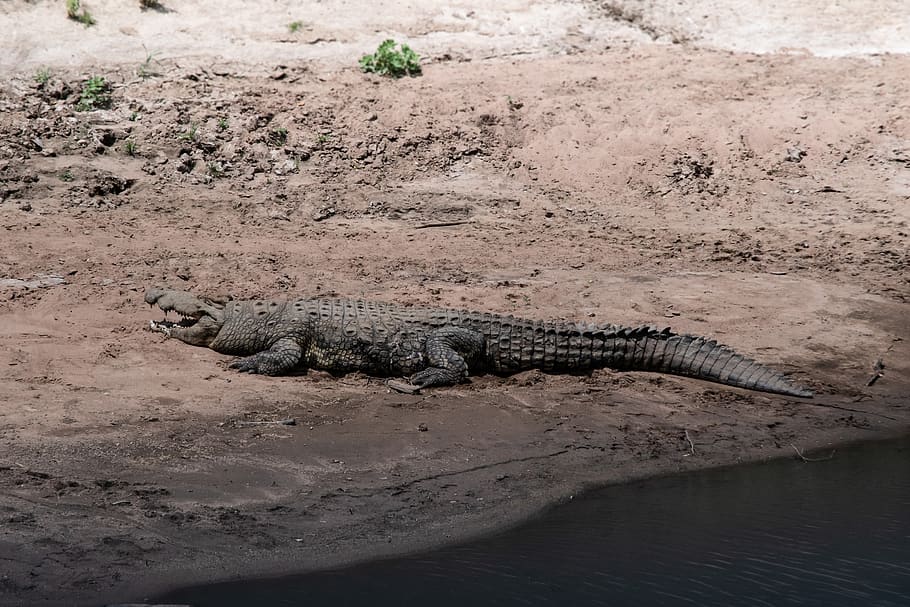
(650, 349)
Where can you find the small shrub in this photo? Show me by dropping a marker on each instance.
(75, 12)
(43, 75)
(222, 124)
(387, 61)
(66, 175)
(129, 147)
(215, 169)
(96, 93)
(295, 26)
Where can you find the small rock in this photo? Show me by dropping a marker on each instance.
(323, 214)
(38, 281)
(186, 163)
(107, 138)
(106, 183)
(288, 166)
(57, 89)
(795, 154)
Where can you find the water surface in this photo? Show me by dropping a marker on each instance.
(832, 533)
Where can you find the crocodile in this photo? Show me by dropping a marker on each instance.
(439, 347)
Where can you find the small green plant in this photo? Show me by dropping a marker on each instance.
(222, 124)
(130, 148)
(387, 61)
(278, 136)
(66, 175)
(295, 26)
(43, 75)
(145, 69)
(322, 139)
(75, 12)
(152, 4)
(96, 93)
(134, 116)
(215, 169)
(190, 134)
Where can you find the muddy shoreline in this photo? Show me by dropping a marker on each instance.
(447, 532)
(588, 172)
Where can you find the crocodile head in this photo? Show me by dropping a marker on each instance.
(201, 318)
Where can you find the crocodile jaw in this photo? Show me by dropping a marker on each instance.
(201, 318)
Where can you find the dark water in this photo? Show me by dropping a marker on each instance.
(786, 533)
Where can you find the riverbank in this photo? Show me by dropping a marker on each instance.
(606, 178)
(707, 537)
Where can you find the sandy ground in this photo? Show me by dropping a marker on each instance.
(614, 162)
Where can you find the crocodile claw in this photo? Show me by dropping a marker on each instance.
(403, 387)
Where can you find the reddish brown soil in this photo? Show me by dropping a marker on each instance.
(762, 200)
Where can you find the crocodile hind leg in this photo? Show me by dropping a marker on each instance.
(447, 351)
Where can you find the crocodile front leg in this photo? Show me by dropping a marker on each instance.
(446, 350)
(281, 358)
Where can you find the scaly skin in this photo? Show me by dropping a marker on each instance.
(437, 347)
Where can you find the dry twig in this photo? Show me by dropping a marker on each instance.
(878, 369)
(278, 422)
(443, 224)
(691, 444)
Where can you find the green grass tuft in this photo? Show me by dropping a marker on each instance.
(145, 69)
(215, 169)
(76, 12)
(278, 136)
(96, 93)
(43, 75)
(190, 134)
